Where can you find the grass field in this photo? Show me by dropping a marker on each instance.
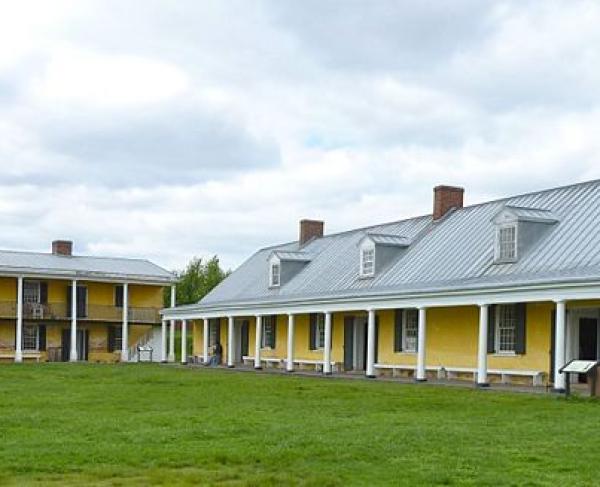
(150, 424)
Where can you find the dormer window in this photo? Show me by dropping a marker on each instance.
(275, 274)
(506, 250)
(378, 251)
(367, 262)
(518, 229)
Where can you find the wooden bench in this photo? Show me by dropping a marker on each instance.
(318, 364)
(451, 372)
(269, 361)
(26, 356)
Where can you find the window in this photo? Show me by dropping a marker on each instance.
(506, 319)
(31, 292)
(275, 274)
(118, 338)
(30, 337)
(367, 262)
(411, 330)
(213, 332)
(320, 335)
(268, 331)
(507, 243)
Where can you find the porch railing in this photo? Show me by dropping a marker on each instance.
(92, 312)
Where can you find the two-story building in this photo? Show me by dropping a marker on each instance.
(507, 290)
(62, 307)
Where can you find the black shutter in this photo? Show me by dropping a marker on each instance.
(398, 331)
(69, 301)
(111, 339)
(81, 302)
(552, 343)
(521, 328)
(312, 332)
(218, 333)
(376, 338)
(43, 293)
(119, 295)
(42, 338)
(274, 332)
(491, 343)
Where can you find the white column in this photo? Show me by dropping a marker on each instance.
(184, 341)
(19, 330)
(327, 345)
(371, 344)
(421, 371)
(290, 344)
(73, 352)
(559, 352)
(163, 342)
(482, 350)
(205, 336)
(230, 343)
(125, 328)
(258, 342)
(172, 342)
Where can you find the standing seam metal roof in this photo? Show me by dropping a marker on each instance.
(458, 249)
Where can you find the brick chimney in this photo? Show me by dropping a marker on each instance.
(62, 247)
(310, 229)
(445, 198)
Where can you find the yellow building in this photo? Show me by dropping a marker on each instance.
(61, 307)
(503, 291)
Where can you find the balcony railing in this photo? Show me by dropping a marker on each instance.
(93, 312)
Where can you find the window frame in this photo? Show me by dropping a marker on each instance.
(405, 328)
(270, 323)
(119, 290)
(370, 249)
(272, 281)
(117, 338)
(320, 332)
(499, 242)
(38, 286)
(213, 328)
(27, 326)
(499, 327)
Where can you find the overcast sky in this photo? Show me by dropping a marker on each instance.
(168, 130)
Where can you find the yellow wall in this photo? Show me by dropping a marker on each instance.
(452, 339)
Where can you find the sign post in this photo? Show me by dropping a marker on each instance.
(588, 368)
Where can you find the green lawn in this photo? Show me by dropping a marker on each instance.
(149, 424)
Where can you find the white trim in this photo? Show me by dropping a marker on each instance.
(497, 245)
(367, 247)
(519, 294)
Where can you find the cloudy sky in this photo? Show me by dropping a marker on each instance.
(168, 129)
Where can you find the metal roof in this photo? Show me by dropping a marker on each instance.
(456, 251)
(387, 239)
(30, 263)
(530, 214)
(292, 256)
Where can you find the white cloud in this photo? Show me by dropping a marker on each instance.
(171, 130)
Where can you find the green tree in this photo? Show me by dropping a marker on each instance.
(197, 280)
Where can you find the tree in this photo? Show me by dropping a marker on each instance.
(196, 281)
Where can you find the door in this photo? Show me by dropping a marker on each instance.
(349, 343)
(588, 341)
(81, 302)
(83, 344)
(245, 339)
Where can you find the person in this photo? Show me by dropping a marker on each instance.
(217, 355)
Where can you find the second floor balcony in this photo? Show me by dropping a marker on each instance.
(85, 311)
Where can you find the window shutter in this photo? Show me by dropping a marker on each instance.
(111, 339)
(312, 334)
(376, 338)
(274, 331)
(69, 304)
(491, 343)
(218, 326)
(43, 293)
(119, 296)
(42, 338)
(398, 331)
(521, 328)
